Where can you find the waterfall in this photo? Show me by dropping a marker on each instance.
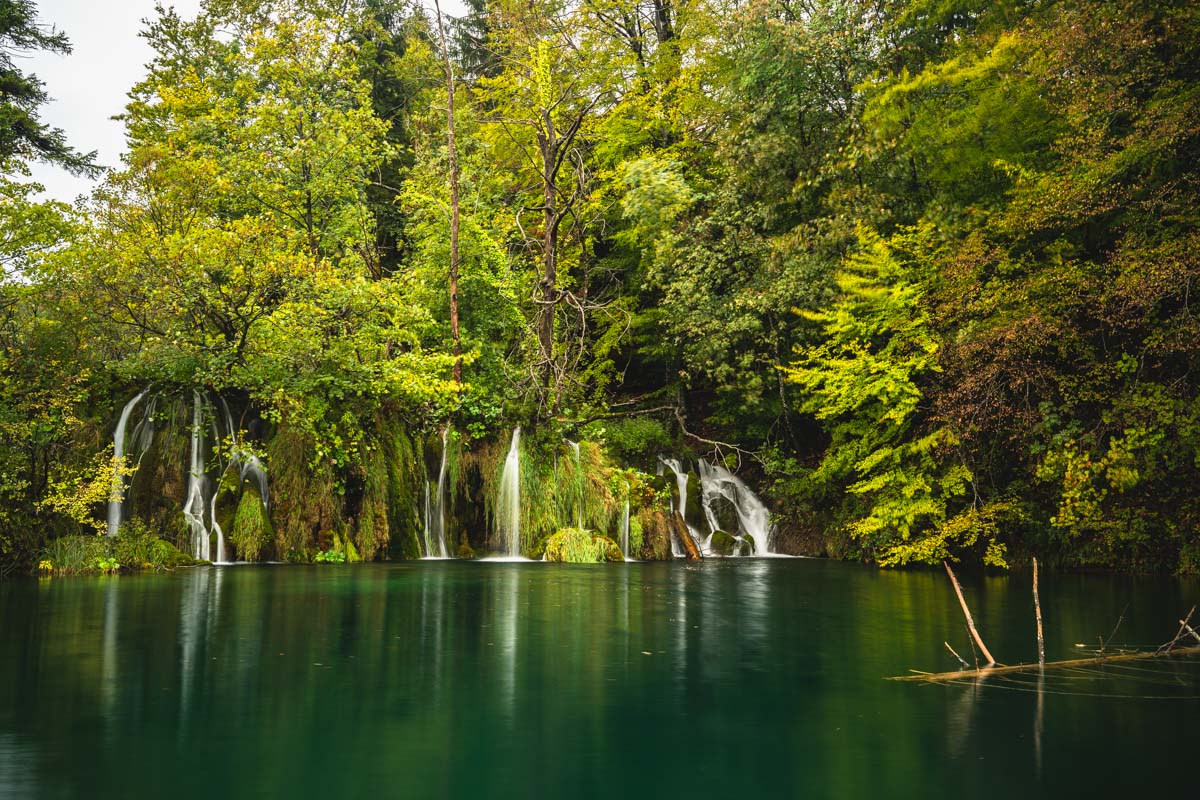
(117, 495)
(193, 509)
(752, 515)
(508, 503)
(435, 507)
(200, 503)
(252, 468)
(439, 506)
(216, 526)
(681, 482)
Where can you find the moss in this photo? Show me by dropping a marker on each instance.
(404, 469)
(578, 546)
(133, 549)
(251, 531)
(464, 551)
(539, 549)
(723, 544)
(371, 528)
(656, 533)
(607, 549)
(636, 535)
(229, 495)
(303, 504)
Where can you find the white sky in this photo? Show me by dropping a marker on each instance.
(89, 86)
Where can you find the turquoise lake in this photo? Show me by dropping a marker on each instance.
(736, 678)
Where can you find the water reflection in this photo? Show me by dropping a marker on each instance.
(749, 678)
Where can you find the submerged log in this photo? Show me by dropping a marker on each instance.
(685, 537)
(962, 674)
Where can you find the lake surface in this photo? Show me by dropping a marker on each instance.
(736, 678)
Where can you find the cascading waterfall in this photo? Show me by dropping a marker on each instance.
(193, 509)
(718, 483)
(252, 469)
(435, 508)
(117, 495)
(508, 503)
(753, 516)
(200, 503)
(681, 482)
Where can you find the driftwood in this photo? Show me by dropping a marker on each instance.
(961, 660)
(1037, 609)
(1183, 624)
(992, 668)
(963, 674)
(685, 537)
(967, 614)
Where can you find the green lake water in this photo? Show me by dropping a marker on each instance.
(732, 679)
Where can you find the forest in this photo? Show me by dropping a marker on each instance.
(917, 271)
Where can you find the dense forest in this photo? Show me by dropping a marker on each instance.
(919, 271)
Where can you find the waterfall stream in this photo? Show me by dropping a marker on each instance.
(718, 484)
(117, 495)
(754, 519)
(435, 508)
(508, 503)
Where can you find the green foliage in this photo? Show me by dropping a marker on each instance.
(251, 532)
(135, 548)
(985, 215)
(633, 440)
(867, 381)
(578, 546)
(330, 557)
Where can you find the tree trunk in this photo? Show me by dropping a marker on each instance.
(545, 326)
(685, 537)
(454, 204)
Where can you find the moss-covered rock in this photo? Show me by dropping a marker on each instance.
(229, 495)
(577, 546)
(465, 551)
(723, 544)
(607, 549)
(539, 548)
(251, 532)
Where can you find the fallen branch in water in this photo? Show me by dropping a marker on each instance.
(690, 547)
(942, 677)
(1183, 624)
(961, 660)
(967, 612)
(1037, 609)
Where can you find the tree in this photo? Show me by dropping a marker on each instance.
(452, 152)
(541, 103)
(22, 134)
(867, 381)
